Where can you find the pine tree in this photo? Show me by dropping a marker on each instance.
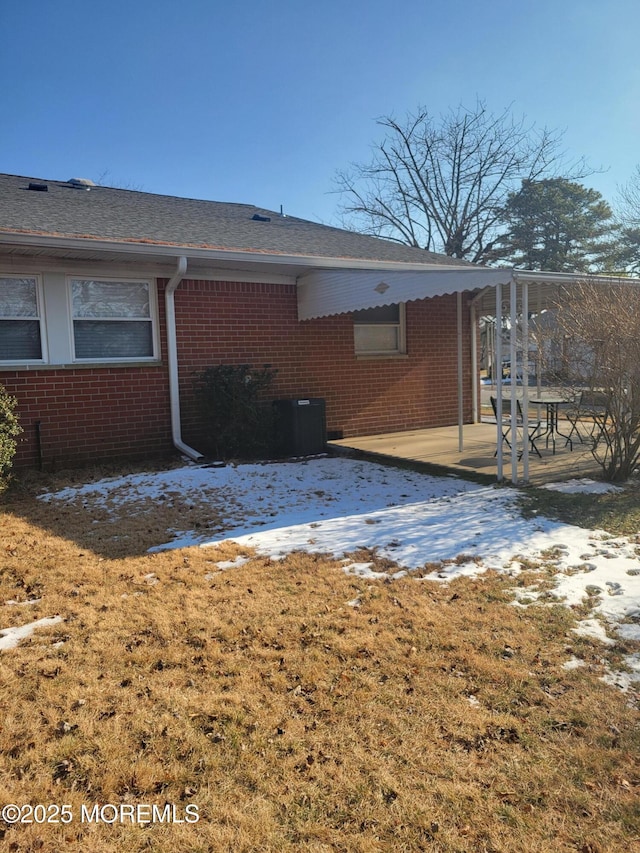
(557, 225)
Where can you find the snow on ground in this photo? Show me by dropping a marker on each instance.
(245, 497)
(338, 506)
(10, 637)
(582, 486)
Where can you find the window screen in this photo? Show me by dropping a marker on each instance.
(111, 319)
(20, 335)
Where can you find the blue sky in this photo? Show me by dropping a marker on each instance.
(262, 102)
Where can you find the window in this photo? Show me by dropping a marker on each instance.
(380, 331)
(20, 331)
(112, 320)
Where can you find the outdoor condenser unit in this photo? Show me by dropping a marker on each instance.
(300, 426)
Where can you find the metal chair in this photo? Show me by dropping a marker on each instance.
(532, 429)
(592, 406)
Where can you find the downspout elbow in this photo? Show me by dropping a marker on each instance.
(177, 277)
(172, 356)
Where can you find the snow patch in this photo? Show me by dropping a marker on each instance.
(583, 486)
(10, 637)
(595, 630)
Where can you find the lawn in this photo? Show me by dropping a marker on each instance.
(329, 656)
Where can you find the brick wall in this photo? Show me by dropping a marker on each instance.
(89, 414)
(257, 324)
(92, 413)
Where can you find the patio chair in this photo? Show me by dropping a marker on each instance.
(533, 427)
(570, 410)
(590, 409)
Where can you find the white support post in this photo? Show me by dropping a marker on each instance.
(525, 380)
(460, 377)
(538, 349)
(513, 351)
(473, 319)
(498, 378)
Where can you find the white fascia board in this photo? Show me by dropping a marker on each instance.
(27, 263)
(323, 293)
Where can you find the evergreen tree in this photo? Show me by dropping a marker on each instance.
(558, 225)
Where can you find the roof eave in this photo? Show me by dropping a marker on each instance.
(135, 249)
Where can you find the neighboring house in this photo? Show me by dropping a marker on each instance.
(111, 300)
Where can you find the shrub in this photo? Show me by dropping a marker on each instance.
(9, 430)
(238, 422)
(600, 327)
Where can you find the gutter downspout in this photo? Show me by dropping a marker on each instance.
(172, 356)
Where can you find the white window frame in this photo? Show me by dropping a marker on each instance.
(37, 278)
(401, 335)
(152, 319)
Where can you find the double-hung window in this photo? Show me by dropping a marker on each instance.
(112, 320)
(20, 320)
(380, 331)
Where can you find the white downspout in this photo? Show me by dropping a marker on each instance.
(172, 356)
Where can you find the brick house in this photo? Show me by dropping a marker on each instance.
(111, 300)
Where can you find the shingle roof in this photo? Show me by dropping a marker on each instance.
(104, 213)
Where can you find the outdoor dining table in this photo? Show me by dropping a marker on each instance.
(551, 402)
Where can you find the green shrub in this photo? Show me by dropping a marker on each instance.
(9, 430)
(238, 421)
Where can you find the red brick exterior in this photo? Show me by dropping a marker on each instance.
(91, 413)
(88, 414)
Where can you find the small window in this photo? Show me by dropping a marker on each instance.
(20, 320)
(112, 320)
(380, 331)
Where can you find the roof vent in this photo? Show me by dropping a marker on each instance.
(38, 188)
(81, 183)
(257, 217)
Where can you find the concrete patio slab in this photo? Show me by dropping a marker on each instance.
(439, 446)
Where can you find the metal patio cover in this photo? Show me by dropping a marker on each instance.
(325, 292)
(322, 293)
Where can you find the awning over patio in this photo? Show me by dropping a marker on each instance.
(324, 292)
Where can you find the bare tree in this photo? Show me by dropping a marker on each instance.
(630, 200)
(442, 185)
(601, 331)
(627, 257)
(106, 179)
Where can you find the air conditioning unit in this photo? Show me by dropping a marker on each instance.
(300, 427)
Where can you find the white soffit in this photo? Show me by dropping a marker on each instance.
(322, 293)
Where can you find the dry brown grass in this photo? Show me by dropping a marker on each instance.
(429, 717)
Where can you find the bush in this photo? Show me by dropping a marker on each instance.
(9, 430)
(600, 328)
(239, 423)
